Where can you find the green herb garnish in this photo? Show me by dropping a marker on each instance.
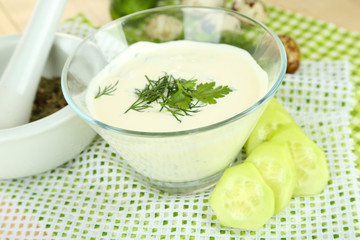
(178, 96)
(108, 90)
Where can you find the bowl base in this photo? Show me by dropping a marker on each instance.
(189, 187)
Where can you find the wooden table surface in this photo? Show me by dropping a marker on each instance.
(15, 14)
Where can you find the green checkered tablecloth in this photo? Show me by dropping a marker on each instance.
(97, 195)
(320, 40)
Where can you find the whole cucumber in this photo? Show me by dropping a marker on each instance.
(119, 8)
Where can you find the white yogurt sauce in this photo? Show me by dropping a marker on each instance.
(181, 158)
(224, 64)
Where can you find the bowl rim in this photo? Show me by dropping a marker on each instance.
(44, 124)
(269, 94)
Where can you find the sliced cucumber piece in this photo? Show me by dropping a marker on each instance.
(274, 161)
(242, 199)
(274, 116)
(310, 162)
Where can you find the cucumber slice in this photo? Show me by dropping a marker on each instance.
(274, 161)
(274, 116)
(242, 199)
(310, 162)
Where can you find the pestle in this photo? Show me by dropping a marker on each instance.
(20, 80)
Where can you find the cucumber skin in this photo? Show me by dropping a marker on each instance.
(276, 110)
(279, 153)
(287, 131)
(319, 177)
(274, 115)
(221, 192)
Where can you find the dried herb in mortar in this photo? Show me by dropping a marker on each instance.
(48, 99)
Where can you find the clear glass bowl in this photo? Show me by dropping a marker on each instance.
(181, 161)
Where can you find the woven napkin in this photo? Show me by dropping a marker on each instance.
(97, 195)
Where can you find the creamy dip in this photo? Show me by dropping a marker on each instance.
(199, 157)
(206, 62)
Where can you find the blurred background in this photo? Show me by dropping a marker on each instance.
(14, 14)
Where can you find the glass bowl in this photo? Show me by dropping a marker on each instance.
(176, 161)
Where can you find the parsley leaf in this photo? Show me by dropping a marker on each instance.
(180, 100)
(178, 96)
(206, 93)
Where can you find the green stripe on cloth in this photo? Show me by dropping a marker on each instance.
(319, 40)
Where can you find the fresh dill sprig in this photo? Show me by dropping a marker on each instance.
(178, 96)
(108, 90)
(151, 93)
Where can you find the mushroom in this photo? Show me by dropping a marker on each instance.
(218, 22)
(206, 3)
(251, 8)
(292, 53)
(164, 28)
